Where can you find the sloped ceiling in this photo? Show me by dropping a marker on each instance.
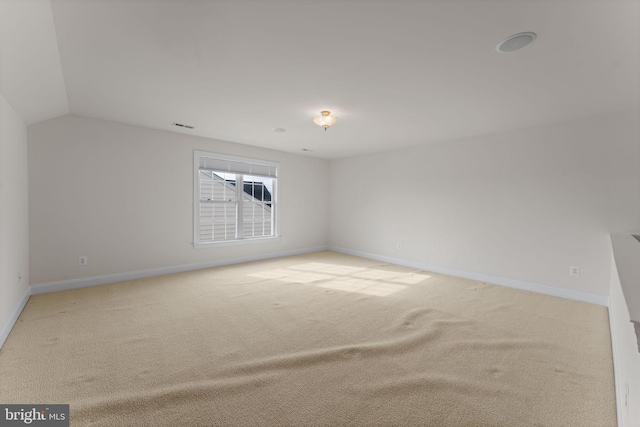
(396, 73)
(30, 72)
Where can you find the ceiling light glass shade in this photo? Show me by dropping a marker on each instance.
(325, 120)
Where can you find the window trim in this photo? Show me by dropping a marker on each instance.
(197, 155)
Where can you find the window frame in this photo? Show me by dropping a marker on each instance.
(197, 156)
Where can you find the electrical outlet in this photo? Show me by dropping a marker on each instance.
(574, 271)
(83, 260)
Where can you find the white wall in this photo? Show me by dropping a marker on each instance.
(14, 225)
(123, 196)
(522, 205)
(625, 346)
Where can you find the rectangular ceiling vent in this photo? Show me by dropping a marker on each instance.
(180, 125)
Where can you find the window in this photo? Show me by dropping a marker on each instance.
(235, 199)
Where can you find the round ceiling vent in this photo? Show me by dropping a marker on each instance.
(515, 42)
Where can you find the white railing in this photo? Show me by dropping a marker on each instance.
(626, 252)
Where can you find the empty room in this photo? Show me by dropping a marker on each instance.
(304, 213)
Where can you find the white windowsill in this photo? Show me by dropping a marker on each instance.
(236, 242)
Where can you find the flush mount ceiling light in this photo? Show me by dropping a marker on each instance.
(515, 42)
(325, 120)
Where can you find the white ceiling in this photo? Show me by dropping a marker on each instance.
(30, 71)
(396, 72)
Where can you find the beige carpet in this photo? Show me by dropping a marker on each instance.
(315, 340)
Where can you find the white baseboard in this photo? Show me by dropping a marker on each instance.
(6, 329)
(64, 285)
(487, 278)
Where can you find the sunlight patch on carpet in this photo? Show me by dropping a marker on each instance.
(367, 281)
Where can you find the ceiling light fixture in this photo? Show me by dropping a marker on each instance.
(325, 120)
(515, 42)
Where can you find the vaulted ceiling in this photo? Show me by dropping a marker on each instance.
(396, 72)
